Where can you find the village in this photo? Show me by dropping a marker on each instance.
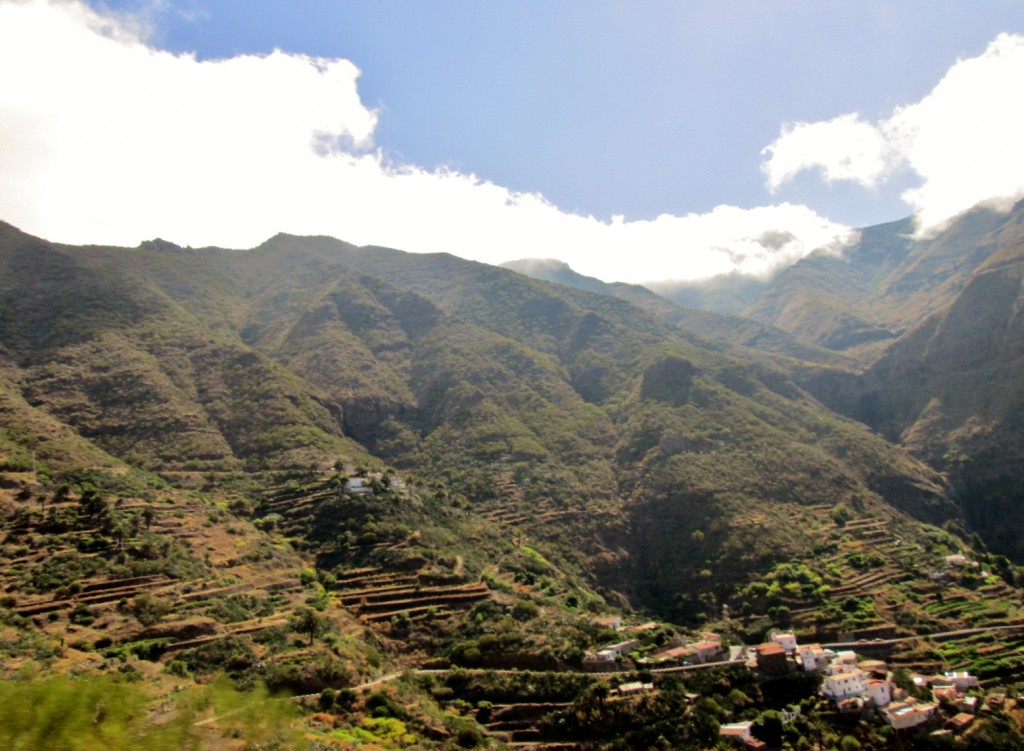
(854, 687)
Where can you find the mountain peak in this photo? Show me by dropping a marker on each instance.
(159, 244)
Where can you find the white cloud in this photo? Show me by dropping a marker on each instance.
(845, 148)
(104, 139)
(963, 139)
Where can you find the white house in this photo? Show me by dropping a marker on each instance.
(876, 668)
(969, 704)
(812, 657)
(608, 621)
(843, 685)
(846, 657)
(634, 687)
(706, 651)
(903, 715)
(622, 648)
(880, 692)
(962, 680)
(358, 486)
(786, 640)
(599, 658)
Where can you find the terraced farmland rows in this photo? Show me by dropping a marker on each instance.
(521, 726)
(181, 599)
(377, 596)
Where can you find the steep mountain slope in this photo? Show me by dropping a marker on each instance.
(710, 419)
(951, 390)
(143, 361)
(618, 432)
(706, 322)
(945, 381)
(885, 283)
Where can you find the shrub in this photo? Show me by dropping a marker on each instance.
(148, 610)
(469, 737)
(841, 514)
(381, 703)
(232, 654)
(525, 610)
(327, 698)
(344, 699)
(81, 615)
(178, 668)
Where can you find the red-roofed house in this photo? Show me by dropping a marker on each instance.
(706, 651)
(771, 659)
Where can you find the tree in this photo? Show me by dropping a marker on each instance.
(768, 727)
(308, 621)
(841, 515)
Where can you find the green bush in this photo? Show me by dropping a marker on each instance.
(81, 614)
(148, 610)
(525, 610)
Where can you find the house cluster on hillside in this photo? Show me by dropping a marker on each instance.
(676, 651)
(865, 687)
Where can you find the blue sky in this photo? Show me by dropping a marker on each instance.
(634, 108)
(651, 120)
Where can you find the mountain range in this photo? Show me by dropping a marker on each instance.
(644, 422)
(203, 450)
(927, 337)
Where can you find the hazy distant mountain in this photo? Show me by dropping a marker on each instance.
(704, 321)
(882, 285)
(558, 272)
(726, 293)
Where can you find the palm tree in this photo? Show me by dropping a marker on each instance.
(308, 621)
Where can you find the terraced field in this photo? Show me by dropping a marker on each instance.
(376, 596)
(136, 576)
(870, 581)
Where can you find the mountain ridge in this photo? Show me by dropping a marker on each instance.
(304, 348)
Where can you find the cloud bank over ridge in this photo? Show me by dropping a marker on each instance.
(105, 139)
(963, 139)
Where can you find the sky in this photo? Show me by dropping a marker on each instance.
(637, 141)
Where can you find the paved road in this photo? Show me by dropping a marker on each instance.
(940, 635)
(854, 645)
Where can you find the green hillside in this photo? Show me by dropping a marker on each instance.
(309, 464)
(951, 391)
(886, 282)
(213, 366)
